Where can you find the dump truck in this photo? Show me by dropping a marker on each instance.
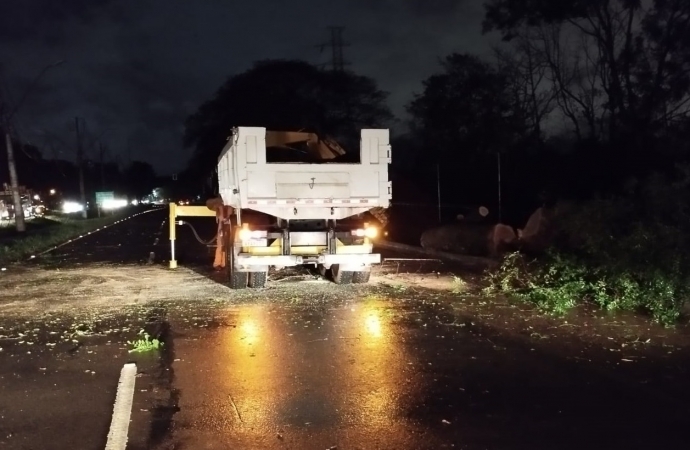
(315, 196)
(317, 209)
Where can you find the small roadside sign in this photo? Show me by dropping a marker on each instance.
(103, 197)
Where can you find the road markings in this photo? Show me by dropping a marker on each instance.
(122, 411)
(152, 255)
(89, 233)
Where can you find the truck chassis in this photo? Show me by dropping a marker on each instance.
(346, 254)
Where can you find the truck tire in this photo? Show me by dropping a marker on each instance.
(341, 276)
(361, 277)
(257, 280)
(237, 280)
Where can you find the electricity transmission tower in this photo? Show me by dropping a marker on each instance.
(336, 44)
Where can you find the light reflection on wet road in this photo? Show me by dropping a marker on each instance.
(395, 374)
(286, 378)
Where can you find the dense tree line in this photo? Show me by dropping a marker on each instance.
(579, 98)
(135, 179)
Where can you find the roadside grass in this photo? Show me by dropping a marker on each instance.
(47, 232)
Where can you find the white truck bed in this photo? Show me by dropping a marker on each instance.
(304, 191)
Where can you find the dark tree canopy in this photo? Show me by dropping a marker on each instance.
(140, 178)
(507, 16)
(466, 109)
(620, 68)
(285, 95)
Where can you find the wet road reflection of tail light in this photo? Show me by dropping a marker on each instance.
(317, 373)
(378, 367)
(250, 332)
(372, 324)
(250, 366)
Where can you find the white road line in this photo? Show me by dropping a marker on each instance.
(155, 242)
(122, 411)
(89, 233)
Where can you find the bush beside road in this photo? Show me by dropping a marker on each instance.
(625, 252)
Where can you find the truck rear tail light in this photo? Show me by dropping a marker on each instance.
(247, 234)
(369, 232)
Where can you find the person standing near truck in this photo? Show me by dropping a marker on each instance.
(222, 214)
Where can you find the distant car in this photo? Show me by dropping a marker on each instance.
(39, 210)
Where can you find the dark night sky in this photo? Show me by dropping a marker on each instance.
(136, 68)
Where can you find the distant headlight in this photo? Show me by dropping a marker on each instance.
(72, 207)
(114, 203)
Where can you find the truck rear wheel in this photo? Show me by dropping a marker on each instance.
(257, 280)
(361, 277)
(237, 280)
(341, 276)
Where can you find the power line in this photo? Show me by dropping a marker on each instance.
(336, 44)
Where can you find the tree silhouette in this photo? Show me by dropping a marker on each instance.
(466, 110)
(285, 95)
(140, 178)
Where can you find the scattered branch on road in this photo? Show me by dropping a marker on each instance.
(239, 416)
(145, 344)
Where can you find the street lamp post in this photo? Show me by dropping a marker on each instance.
(14, 179)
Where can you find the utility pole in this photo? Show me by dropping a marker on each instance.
(438, 189)
(129, 151)
(101, 153)
(6, 118)
(80, 165)
(336, 44)
(500, 199)
(19, 221)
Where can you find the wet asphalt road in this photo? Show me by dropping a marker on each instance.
(308, 365)
(380, 375)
